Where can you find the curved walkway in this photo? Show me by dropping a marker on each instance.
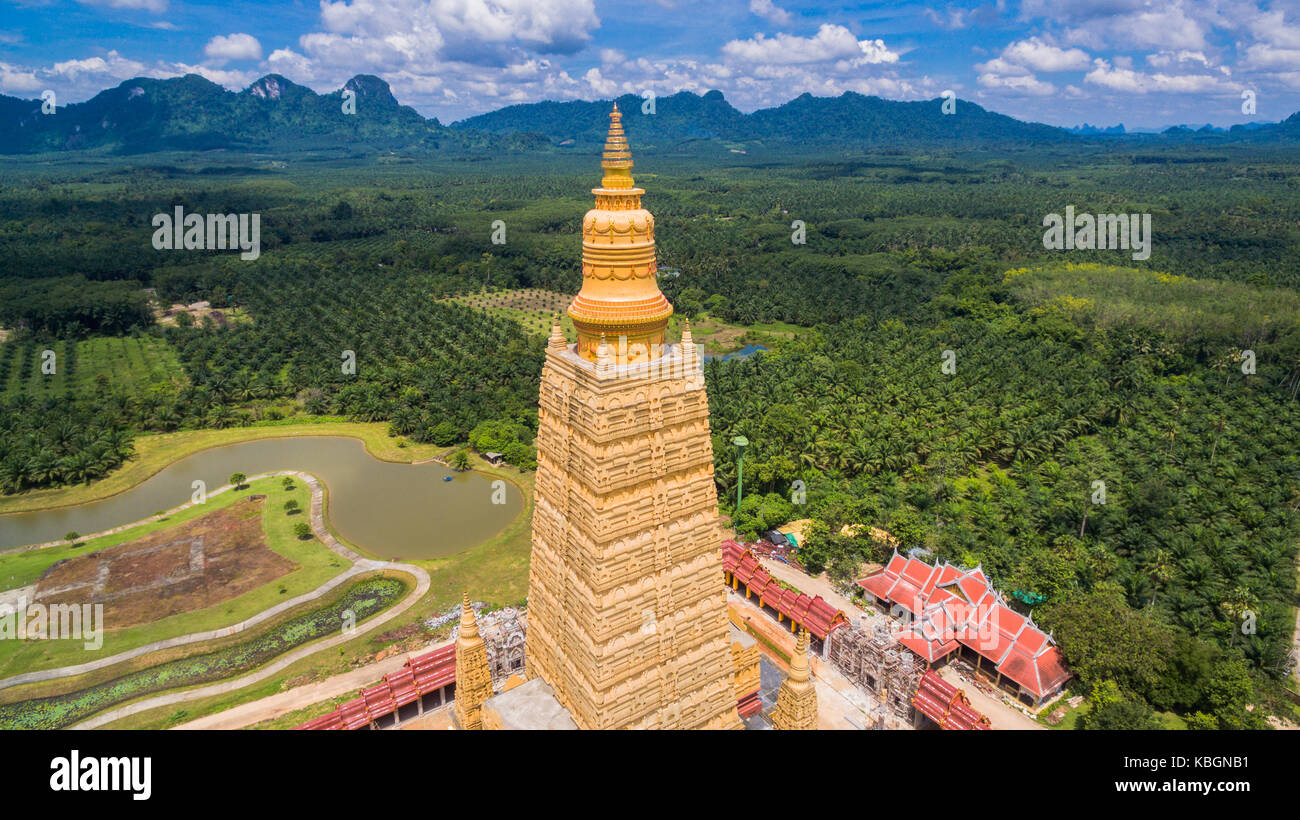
(359, 566)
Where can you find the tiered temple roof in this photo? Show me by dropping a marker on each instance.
(813, 613)
(952, 607)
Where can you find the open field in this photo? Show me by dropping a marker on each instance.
(314, 565)
(202, 563)
(87, 365)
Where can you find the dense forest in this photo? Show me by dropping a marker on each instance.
(952, 381)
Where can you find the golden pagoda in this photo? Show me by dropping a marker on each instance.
(626, 599)
(620, 296)
(796, 702)
(473, 676)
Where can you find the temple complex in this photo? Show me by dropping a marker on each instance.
(627, 621)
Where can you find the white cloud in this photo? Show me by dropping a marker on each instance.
(110, 67)
(461, 29)
(831, 42)
(156, 6)
(18, 79)
(233, 47)
(1040, 55)
(770, 11)
(1117, 78)
(1018, 83)
(1269, 58)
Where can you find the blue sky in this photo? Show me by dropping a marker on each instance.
(1146, 63)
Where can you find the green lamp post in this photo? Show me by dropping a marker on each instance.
(741, 443)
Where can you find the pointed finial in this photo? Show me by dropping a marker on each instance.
(557, 340)
(686, 334)
(617, 158)
(468, 624)
(799, 660)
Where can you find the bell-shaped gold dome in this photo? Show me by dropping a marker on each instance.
(620, 295)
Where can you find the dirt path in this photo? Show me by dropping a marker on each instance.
(999, 714)
(811, 585)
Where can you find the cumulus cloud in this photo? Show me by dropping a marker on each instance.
(1024, 83)
(233, 47)
(831, 42)
(18, 80)
(770, 11)
(464, 29)
(1118, 78)
(1038, 55)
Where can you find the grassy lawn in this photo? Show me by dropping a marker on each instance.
(315, 564)
(154, 452)
(1072, 716)
(495, 572)
(144, 360)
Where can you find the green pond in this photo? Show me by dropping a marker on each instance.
(399, 511)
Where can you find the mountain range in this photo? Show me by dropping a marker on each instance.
(275, 114)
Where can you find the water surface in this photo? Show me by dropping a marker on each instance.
(400, 511)
(744, 353)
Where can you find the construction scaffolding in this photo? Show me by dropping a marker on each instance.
(874, 660)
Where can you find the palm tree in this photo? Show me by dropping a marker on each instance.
(460, 461)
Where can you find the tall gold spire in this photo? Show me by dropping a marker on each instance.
(617, 159)
(796, 702)
(473, 676)
(620, 295)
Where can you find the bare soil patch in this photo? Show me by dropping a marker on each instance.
(202, 562)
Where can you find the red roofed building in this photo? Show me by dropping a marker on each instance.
(954, 610)
(426, 680)
(740, 566)
(946, 705)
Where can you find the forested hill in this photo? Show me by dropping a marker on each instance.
(193, 113)
(849, 120)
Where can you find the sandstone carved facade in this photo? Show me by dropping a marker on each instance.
(626, 600)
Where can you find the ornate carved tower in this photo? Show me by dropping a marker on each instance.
(626, 599)
(473, 676)
(796, 702)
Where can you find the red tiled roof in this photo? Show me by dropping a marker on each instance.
(417, 677)
(946, 705)
(959, 606)
(749, 705)
(814, 613)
